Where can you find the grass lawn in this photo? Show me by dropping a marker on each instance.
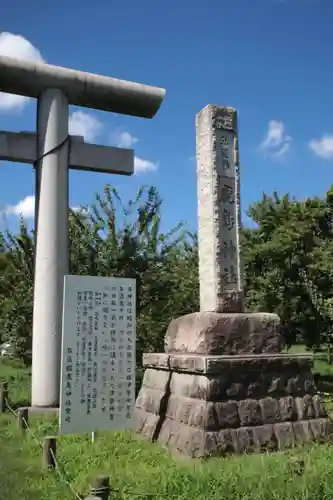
(135, 466)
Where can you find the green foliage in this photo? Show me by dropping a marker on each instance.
(288, 260)
(291, 237)
(109, 238)
(16, 290)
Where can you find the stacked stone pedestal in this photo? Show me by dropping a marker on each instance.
(211, 404)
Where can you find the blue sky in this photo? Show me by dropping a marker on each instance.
(271, 59)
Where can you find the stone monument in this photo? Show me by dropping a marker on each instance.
(51, 150)
(222, 385)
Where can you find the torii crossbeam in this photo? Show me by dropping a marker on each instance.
(52, 151)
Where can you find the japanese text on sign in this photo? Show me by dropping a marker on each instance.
(98, 354)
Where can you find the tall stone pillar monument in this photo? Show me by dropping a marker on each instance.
(222, 385)
(219, 217)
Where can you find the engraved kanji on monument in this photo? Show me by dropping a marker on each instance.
(219, 216)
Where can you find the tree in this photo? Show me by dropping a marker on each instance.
(290, 236)
(110, 238)
(16, 290)
(288, 261)
(323, 303)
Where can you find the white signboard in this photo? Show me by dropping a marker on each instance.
(98, 354)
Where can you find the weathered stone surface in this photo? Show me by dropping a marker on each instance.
(218, 443)
(183, 438)
(319, 408)
(235, 389)
(192, 442)
(249, 412)
(156, 379)
(149, 400)
(227, 415)
(203, 414)
(206, 387)
(199, 443)
(233, 386)
(212, 405)
(264, 438)
(270, 411)
(304, 407)
(230, 302)
(254, 385)
(146, 423)
(193, 363)
(241, 381)
(157, 360)
(194, 412)
(139, 419)
(242, 440)
(287, 409)
(321, 428)
(290, 374)
(302, 431)
(224, 333)
(300, 383)
(220, 274)
(169, 433)
(261, 363)
(285, 436)
(276, 385)
(192, 386)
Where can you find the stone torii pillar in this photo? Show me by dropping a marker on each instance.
(52, 152)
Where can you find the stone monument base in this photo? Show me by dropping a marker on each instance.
(41, 409)
(205, 405)
(224, 333)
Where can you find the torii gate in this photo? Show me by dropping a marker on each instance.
(52, 151)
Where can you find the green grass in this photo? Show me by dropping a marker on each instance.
(134, 465)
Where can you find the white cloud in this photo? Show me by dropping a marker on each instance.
(276, 143)
(141, 166)
(123, 139)
(126, 140)
(322, 147)
(20, 48)
(24, 208)
(81, 123)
